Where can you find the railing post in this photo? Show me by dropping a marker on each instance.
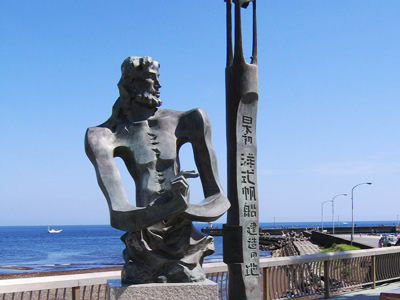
(326, 278)
(265, 283)
(373, 271)
(75, 293)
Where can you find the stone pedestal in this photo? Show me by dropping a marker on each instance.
(206, 290)
(390, 295)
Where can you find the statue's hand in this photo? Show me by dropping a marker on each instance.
(187, 174)
(180, 186)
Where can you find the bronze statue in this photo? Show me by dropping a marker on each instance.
(161, 242)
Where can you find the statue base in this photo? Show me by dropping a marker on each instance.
(206, 290)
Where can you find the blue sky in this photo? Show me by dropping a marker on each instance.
(327, 114)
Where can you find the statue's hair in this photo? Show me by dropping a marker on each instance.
(131, 67)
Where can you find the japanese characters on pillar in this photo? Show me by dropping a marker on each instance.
(247, 185)
(241, 237)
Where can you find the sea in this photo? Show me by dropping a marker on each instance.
(77, 247)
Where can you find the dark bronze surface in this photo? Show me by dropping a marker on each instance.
(241, 230)
(161, 243)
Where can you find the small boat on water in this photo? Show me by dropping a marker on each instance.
(53, 230)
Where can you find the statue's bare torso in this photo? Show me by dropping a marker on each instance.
(149, 150)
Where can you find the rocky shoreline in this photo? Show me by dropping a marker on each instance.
(289, 243)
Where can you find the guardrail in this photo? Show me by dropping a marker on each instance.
(281, 277)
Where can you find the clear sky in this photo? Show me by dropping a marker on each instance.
(327, 114)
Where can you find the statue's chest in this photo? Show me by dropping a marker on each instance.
(149, 143)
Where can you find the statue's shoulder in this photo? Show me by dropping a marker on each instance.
(193, 123)
(192, 114)
(98, 130)
(96, 136)
(196, 114)
(199, 118)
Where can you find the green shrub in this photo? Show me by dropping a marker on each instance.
(338, 248)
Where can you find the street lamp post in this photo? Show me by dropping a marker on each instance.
(333, 209)
(322, 214)
(352, 210)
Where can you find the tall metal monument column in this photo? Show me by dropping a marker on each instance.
(241, 234)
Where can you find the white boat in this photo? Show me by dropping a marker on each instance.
(53, 230)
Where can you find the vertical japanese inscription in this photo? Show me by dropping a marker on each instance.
(247, 185)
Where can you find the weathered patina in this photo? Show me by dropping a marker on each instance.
(161, 242)
(241, 236)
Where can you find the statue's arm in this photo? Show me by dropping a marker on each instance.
(99, 147)
(197, 129)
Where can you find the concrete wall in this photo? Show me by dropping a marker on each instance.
(328, 240)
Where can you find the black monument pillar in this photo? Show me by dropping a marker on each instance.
(241, 234)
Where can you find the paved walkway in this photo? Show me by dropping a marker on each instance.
(367, 293)
(369, 240)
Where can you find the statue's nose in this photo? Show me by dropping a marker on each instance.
(157, 83)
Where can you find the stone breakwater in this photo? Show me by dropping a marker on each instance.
(281, 242)
(288, 244)
(338, 230)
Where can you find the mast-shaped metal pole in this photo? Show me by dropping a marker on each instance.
(241, 233)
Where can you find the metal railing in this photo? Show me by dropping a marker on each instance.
(281, 277)
(298, 276)
(80, 286)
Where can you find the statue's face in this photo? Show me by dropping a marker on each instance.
(148, 81)
(147, 86)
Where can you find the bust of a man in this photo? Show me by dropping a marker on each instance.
(161, 243)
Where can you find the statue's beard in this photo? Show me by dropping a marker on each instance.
(147, 99)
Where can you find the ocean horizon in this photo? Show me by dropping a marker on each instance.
(77, 247)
